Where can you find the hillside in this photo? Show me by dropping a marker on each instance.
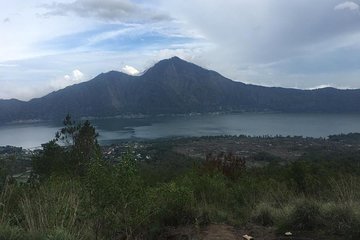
(174, 86)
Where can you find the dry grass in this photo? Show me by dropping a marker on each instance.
(53, 206)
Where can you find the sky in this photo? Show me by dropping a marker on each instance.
(46, 45)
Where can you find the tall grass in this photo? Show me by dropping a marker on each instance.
(346, 189)
(54, 205)
(114, 201)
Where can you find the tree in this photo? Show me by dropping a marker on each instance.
(74, 146)
(86, 147)
(52, 159)
(67, 133)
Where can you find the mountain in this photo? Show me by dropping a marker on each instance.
(10, 109)
(175, 86)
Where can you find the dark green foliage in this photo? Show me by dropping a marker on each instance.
(67, 133)
(4, 173)
(81, 196)
(10, 198)
(119, 203)
(176, 204)
(81, 147)
(9, 165)
(54, 205)
(264, 218)
(301, 176)
(86, 147)
(342, 220)
(305, 216)
(12, 233)
(228, 164)
(60, 234)
(8, 232)
(52, 159)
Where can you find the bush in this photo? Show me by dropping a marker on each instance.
(8, 232)
(342, 220)
(305, 216)
(11, 233)
(345, 189)
(212, 196)
(10, 198)
(60, 234)
(211, 188)
(263, 215)
(119, 203)
(175, 204)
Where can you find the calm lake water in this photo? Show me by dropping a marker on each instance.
(254, 124)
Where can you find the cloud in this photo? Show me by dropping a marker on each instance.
(70, 79)
(4, 65)
(271, 42)
(261, 42)
(6, 20)
(106, 10)
(321, 86)
(348, 5)
(130, 70)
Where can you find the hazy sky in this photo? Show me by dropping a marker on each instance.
(46, 45)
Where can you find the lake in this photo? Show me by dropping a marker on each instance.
(112, 130)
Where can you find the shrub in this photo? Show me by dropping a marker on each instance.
(305, 216)
(8, 232)
(10, 197)
(345, 189)
(176, 204)
(11, 233)
(119, 203)
(342, 220)
(263, 215)
(60, 234)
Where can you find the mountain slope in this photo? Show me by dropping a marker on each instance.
(10, 109)
(174, 86)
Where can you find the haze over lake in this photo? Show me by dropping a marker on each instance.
(112, 130)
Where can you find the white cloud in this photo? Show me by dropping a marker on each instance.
(70, 79)
(130, 70)
(4, 65)
(348, 5)
(107, 10)
(77, 75)
(321, 86)
(253, 41)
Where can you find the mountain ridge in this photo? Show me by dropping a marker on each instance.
(174, 86)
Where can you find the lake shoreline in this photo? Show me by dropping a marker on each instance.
(113, 130)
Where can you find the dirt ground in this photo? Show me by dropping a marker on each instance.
(227, 232)
(219, 232)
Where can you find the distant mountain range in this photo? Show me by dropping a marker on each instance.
(174, 86)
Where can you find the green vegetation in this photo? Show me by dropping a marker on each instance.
(75, 194)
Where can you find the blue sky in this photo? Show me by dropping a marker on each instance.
(49, 44)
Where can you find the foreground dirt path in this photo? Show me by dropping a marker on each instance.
(219, 232)
(226, 232)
